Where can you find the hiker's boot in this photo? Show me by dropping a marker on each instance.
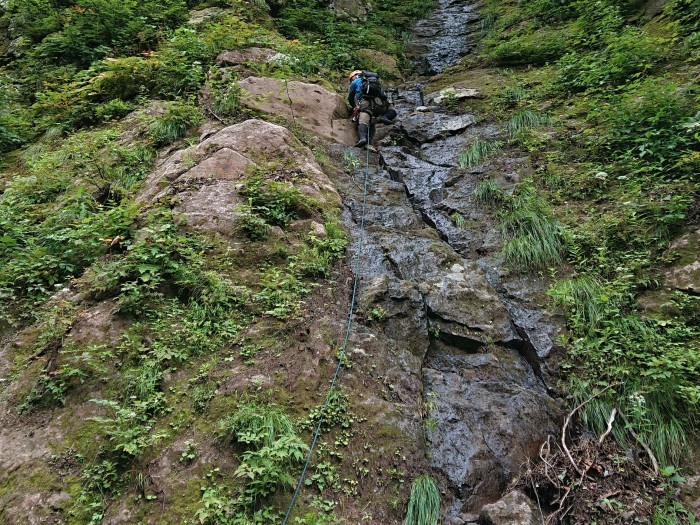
(363, 133)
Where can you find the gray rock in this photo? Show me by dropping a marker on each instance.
(238, 57)
(513, 509)
(202, 15)
(427, 126)
(491, 413)
(451, 93)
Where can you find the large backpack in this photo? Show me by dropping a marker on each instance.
(371, 87)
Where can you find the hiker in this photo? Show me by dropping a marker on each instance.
(368, 100)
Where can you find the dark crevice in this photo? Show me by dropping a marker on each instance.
(528, 352)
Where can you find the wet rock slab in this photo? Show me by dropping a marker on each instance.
(493, 412)
(443, 37)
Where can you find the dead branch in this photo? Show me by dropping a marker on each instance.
(652, 458)
(568, 420)
(611, 420)
(217, 117)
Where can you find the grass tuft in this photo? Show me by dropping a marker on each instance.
(654, 417)
(424, 502)
(526, 119)
(257, 424)
(534, 239)
(490, 193)
(584, 297)
(478, 152)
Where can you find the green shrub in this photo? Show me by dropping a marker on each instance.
(272, 449)
(175, 123)
(536, 47)
(114, 109)
(646, 123)
(87, 30)
(275, 201)
(129, 428)
(626, 56)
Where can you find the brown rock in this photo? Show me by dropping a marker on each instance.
(685, 275)
(203, 180)
(313, 107)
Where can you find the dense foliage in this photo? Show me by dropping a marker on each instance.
(623, 173)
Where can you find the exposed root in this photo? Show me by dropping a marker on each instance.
(579, 479)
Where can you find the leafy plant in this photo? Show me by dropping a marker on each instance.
(275, 201)
(189, 453)
(178, 119)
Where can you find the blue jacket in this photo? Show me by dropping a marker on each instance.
(355, 91)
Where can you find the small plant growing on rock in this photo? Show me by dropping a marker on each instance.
(458, 220)
(478, 152)
(180, 117)
(424, 502)
(350, 160)
(189, 454)
(377, 314)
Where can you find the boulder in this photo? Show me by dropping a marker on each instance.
(515, 508)
(424, 126)
(313, 107)
(203, 181)
(237, 57)
(450, 93)
(685, 274)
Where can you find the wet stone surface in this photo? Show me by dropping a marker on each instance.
(444, 36)
(477, 329)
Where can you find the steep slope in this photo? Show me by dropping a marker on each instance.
(176, 295)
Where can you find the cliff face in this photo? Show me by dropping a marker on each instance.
(178, 276)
